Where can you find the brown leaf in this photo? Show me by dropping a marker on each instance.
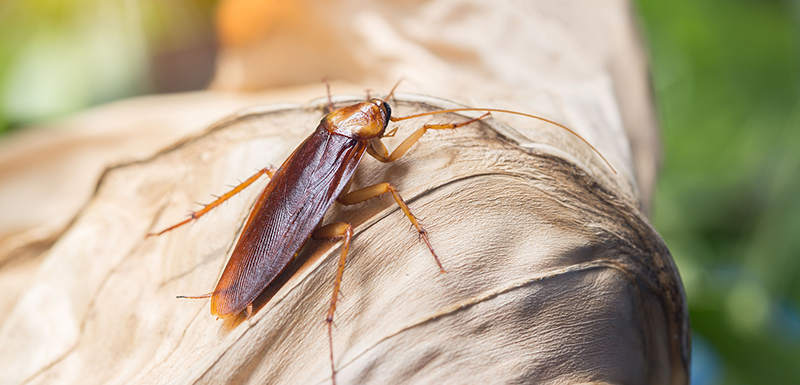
(553, 274)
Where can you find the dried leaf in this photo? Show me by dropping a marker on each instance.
(553, 274)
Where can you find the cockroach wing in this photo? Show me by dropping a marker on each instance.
(285, 215)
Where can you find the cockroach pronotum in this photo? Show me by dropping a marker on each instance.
(318, 173)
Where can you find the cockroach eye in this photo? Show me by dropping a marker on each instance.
(388, 113)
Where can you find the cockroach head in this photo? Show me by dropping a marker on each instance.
(362, 121)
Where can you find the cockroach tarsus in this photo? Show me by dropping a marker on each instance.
(318, 173)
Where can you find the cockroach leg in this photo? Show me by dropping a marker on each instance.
(390, 133)
(370, 192)
(335, 231)
(269, 171)
(379, 152)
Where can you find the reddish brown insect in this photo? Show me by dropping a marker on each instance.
(289, 210)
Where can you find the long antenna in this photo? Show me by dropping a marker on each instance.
(391, 93)
(397, 119)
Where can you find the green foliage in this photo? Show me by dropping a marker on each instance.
(727, 79)
(61, 56)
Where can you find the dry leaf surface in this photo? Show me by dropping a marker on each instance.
(553, 273)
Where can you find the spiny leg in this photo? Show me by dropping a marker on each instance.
(370, 192)
(270, 171)
(379, 152)
(335, 231)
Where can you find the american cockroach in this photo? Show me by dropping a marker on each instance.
(318, 173)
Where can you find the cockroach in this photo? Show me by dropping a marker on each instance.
(318, 173)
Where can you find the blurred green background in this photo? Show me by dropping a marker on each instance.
(726, 77)
(61, 56)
